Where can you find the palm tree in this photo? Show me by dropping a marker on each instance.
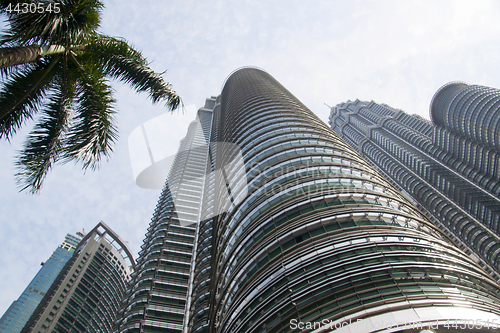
(55, 70)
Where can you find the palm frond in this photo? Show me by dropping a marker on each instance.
(22, 94)
(6, 72)
(93, 133)
(115, 46)
(75, 22)
(44, 144)
(120, 61)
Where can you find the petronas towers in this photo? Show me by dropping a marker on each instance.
(270, 222)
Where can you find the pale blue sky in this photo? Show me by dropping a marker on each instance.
(393, 52)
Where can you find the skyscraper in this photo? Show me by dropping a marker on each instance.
(19, 312)
(469, 111)
(449, 168)
(291, 229)
(162, 280)
(86, 294)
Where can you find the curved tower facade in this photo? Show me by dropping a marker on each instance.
(471, 111)
(297, 232)
(320, 236)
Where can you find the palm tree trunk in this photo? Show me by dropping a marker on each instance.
(11, 56)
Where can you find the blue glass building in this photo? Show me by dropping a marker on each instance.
(21, 309)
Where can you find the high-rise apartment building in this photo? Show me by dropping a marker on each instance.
(269, 222)
(86, 294)
(449, 167)
(21, 309)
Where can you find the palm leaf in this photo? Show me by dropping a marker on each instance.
(45, 142)
(74, 23)
(93, 133)
(120, 61)
(22, 95)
